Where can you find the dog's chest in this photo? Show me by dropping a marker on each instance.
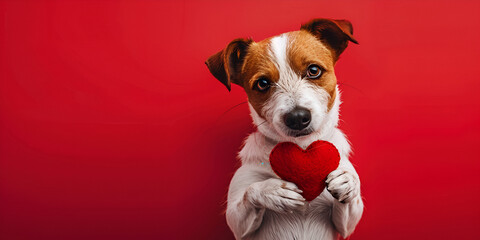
(312, 222)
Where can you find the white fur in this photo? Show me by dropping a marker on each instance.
(262, 206)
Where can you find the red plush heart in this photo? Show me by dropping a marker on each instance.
(308, 168)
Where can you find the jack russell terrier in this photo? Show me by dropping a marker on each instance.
(293, 97)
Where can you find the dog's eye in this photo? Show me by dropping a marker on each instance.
(314, 71)
(262, 84)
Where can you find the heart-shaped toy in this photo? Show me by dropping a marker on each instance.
(308, 168)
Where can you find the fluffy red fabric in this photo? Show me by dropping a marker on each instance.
(308, 168)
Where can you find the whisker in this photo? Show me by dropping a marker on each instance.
(354, 88)
(261, 124)
(256, 127)
(231, 108)
(221, 116)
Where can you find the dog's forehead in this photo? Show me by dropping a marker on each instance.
(295, 50)
(304, 48)
(295, 47)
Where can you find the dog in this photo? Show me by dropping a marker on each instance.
(293, 97)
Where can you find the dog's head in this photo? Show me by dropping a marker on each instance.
(289, 79)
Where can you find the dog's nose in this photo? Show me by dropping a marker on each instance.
(298, 118)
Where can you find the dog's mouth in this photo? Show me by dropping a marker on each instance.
(301, 133)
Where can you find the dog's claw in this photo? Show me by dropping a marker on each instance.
(343, 185)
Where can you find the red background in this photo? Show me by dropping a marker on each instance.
(111, 126)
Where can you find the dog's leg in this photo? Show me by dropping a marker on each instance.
(252, 191)
(344, 185)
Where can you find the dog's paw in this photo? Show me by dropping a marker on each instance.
(275, 194)
(343, 185)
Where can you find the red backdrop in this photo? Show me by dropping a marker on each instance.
(111, 126)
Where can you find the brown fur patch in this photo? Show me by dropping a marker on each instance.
(306, 49)
(258, 64)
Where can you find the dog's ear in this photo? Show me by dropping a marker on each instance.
(226, 65)
(334, 33)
